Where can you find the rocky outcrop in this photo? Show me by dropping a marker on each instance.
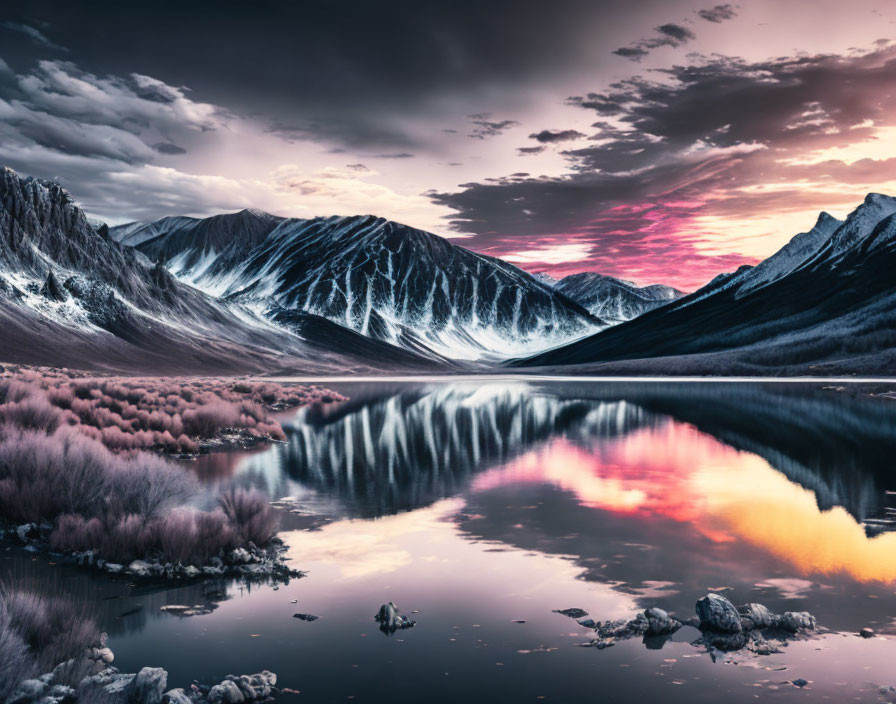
(722, 626)
(104, 683)
(252, 563)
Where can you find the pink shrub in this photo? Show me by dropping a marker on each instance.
(209, 419)
(14, 391)
(33, 413)
(250, 515)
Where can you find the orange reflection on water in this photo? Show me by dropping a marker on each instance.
(677, 472)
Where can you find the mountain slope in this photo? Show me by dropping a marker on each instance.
(71, 295)
(199, 248)
(614, 300)
(381, 279)
(838, 302)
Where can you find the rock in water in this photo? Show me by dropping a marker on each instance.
(391, 620)
(226, 693)
(306, 617)
(759, 616)
(177, 696)
(718, 614)
(659, 623)
(796, 620)
(572, 613)
(866, 633)
(149, 684)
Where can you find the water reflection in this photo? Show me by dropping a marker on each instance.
(404, 450)
(398, 449)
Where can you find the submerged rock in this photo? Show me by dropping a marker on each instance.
(306, 617)
(572, 612)
(391, 620)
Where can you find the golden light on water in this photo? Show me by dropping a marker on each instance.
(725, 495)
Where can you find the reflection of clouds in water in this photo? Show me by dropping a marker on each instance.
(787, 588)
(724, 495)
(365, 548)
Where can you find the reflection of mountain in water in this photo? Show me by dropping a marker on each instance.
(406, 449)
(401, 448)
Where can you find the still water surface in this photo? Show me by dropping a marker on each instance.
(482, 504)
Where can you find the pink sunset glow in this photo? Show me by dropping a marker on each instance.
(727, 496)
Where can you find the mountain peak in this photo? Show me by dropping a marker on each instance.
(880, 199)
(825, 220)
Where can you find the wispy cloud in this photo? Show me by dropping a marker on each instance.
(35, 34)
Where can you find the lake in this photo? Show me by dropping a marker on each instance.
(480, 507)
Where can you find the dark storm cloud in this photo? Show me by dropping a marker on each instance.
(553, 136)
(32, 33)
(168, 148)
(719, 13)
(666, 151)
(396, 155)
(529, 151)
(484, 127)
(354, 74)
(669, 34)
(60, 121)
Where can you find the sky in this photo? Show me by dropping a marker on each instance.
(660, 141)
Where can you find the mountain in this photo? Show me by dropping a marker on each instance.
(70, 295)
(195, 248)
(612, 299)
(381, 279)
(826, 298)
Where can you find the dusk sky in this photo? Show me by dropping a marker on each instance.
(661, 141)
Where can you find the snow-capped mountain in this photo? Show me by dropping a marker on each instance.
(192, 245)
(378, 278)
(71, 295)
(612, 299)
(828, 295)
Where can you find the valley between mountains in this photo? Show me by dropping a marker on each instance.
(250, 292)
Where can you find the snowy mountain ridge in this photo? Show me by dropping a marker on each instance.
(379, 278)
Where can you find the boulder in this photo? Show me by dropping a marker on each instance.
(139, 568)
(718, 614)
(758, 615)
(225, 693)
(176, 696)
(659, 623)
(27, 691)
(149, 684)
(794, 621)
